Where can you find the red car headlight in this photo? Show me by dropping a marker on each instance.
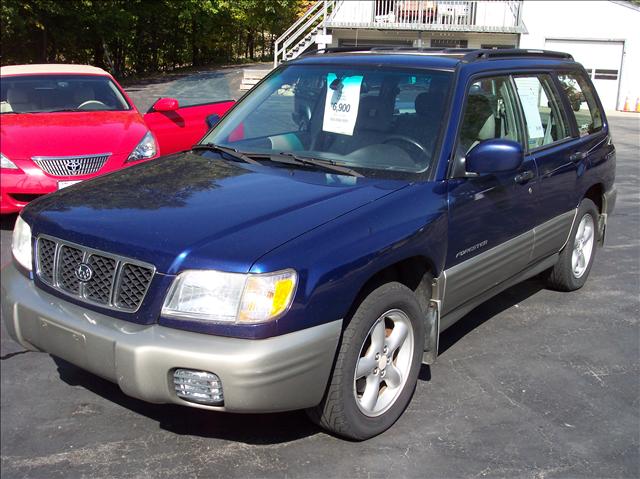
(147, 148)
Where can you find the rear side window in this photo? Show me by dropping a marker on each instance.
(542, 110)
(583, 102)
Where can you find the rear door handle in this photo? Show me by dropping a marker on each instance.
(578, 156)
(524, 176)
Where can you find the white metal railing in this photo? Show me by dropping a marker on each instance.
(455, 15)
(301, 34)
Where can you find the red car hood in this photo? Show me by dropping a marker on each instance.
(70, 133)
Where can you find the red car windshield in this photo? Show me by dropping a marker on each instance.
(51, 93)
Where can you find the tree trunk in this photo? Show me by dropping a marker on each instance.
(44, 45)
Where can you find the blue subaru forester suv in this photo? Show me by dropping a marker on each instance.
(308, 252)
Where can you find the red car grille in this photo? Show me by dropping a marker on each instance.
(71, 165)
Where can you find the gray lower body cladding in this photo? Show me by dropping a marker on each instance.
(474, 277)
(276, 374)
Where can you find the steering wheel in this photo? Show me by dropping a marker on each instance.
(91, 105)
(406, 139)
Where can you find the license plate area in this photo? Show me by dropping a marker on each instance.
(64, 184)
(58, 340)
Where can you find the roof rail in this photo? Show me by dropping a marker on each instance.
(390, 48)
(467, 54)
(483, 54)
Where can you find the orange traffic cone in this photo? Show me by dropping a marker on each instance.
(638, 104)
(626, 104)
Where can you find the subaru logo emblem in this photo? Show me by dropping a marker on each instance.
(73, 166)
(84, 272)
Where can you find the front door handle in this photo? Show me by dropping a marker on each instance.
(524, 176)
(578, 156)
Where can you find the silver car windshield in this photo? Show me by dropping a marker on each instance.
(376, 119)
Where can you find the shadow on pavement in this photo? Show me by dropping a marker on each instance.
(494, 306)
(8, 221)
(261, 429)
(255, 429)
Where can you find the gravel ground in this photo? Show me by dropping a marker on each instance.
(534, 383)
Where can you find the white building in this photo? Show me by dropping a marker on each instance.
(602, 35)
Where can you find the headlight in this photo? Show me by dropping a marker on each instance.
(7, 163)
(21, 243)
(146, 148)
(230, 297)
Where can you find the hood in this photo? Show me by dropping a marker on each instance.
(198, 211)
(70, 133)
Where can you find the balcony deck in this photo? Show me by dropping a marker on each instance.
(493, 16)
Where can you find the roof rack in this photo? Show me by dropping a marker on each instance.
(468, 54)
(391, 48)
(482, 54)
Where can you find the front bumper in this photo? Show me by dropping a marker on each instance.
(276, 374)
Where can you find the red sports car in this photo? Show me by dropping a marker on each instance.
(61, 124)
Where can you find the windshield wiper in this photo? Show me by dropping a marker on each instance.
(294, 159)
(58, 111)
(225, 149)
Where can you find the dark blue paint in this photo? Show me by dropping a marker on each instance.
(492, 156)
(199, 211)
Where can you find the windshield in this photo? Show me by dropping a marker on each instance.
(49, 93)
(372, 119)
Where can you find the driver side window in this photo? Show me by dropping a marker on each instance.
(489, 113)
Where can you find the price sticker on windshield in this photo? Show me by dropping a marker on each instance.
(341, 104)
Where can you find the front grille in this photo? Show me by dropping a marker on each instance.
(71, 165)
(69, 259)
(115, 282)
(46, 255)
(133, 284)
(101, 284)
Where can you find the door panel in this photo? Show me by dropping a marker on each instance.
(549, 138)
(468, 279)
(492, 216)
(180, 129)
(550, 237)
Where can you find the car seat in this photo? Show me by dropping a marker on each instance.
(373, 122)
(479, 122)
(424, 125)
(19, 101)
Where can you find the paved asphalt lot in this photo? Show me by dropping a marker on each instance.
(191, 88)
(534, 383)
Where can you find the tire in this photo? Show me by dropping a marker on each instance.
(362, 408)
(571, 272)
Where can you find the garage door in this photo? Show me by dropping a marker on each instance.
(603, 61)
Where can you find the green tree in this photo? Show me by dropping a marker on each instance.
(142, 36)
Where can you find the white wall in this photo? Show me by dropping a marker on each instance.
(589, 20)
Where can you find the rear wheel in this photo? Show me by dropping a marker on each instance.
(574, 264)
(377, 365)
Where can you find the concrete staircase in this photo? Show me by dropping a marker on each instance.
(251, 76)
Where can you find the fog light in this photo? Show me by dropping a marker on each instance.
(200, 387)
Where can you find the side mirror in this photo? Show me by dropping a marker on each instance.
(166, 104)
(493, 156)
(211, 120)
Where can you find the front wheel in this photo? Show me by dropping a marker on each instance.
(574, 264)
(377, 366)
